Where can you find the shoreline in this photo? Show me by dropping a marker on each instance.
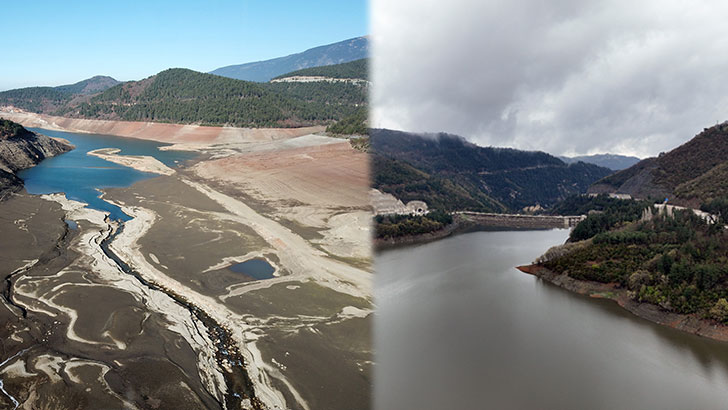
(459, 226)
(169, 133)
(611, 291)
(142, 163)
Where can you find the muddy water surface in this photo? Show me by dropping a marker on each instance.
(459, 327)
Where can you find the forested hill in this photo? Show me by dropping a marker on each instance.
(263, 71)
(695, 172)
(358, 69)
(452, 174)
(46, 99)
(90, 86)
(185, 96)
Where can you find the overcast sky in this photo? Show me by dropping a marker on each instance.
(563, 76)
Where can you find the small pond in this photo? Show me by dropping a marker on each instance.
(257, 268)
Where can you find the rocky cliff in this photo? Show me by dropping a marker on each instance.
(21, 149)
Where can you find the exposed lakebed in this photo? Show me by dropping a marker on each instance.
(459, 327)
(164, 272)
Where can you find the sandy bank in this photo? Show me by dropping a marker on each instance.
(612, 291)
(169, 133)
(139, 162)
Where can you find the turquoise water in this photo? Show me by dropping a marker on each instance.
(256, 268)
(79, 175)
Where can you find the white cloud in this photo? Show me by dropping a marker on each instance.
(575, 77)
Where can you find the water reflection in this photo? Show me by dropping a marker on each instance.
(459, 327)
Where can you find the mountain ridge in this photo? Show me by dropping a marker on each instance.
(184, 96)
(679, 174)
(335, 53)
(93, 85)
(451, 173)
(614, 162)
(42, 98)
(357, 69)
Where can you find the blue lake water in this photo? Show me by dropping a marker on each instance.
(79, 175)
(256, 268)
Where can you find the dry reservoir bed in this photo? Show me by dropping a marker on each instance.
(95, 334)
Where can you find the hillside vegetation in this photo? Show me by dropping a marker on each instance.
(35, 99)
(679, 263)
(397, 226)
(408, 183)
(9, 129)
(603, 213)
(90, 86)
(693, 172)
(452, 174)
(355, 124)
(353, 69)
(50, 99)
(185, 96)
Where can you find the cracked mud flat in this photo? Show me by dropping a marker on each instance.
(141, 337)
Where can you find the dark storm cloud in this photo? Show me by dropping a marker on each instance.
(632, 77)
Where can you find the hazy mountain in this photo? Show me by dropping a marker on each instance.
(450, 173)
(611, 161)
(696, 171)
(262, 71)
(357, 69)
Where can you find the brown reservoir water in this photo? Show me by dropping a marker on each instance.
(458, 327)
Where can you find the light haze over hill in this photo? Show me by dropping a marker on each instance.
(262, 71)
(611, 161)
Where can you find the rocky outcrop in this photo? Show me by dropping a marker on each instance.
(21, 149)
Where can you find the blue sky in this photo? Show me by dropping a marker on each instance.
(54, 43)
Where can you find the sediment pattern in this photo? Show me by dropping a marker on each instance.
(149, 314)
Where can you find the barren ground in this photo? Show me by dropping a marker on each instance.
(297, 200)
